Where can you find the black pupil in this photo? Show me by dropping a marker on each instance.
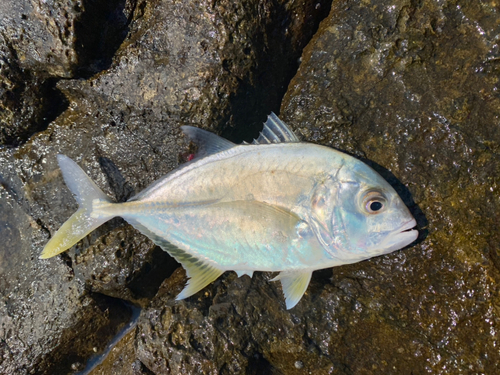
(375, 206)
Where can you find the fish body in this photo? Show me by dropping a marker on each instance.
(275, 205)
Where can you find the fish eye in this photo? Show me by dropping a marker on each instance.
(374, 202)
(375, 205)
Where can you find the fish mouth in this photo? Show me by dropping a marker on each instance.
(408, 227)
(400, 237)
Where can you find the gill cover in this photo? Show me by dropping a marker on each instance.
(326, 220)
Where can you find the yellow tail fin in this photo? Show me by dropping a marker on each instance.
(81, 222)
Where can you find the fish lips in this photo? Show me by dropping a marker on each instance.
(400, 237)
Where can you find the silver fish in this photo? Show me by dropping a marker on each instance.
(277, 204)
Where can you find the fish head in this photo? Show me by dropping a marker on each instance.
(357, 215)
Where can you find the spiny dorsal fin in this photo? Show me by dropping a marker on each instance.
(200, 273)
(208, 143)
(275, 131)
(294, 285)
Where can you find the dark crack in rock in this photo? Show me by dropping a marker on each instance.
(122, 359)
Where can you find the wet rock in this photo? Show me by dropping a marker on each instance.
(49, 322)
(122, 359)
(214, 65)
(42, 34)
(43, 41)
(413, 88)
(36, 43)
(195, 63)
(234, 326)
(123, 265)
(54, 38)
(410, 87)
(30, 176)
(27, 102)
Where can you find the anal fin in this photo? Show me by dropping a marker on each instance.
(294, 285)
(200, 273)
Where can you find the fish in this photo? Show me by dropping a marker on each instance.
(274, 205)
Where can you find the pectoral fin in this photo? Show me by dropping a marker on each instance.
(294, 285)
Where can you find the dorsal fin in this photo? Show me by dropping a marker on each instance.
(275, 131)
(208, 143)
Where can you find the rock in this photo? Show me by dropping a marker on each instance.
(405, 86)
(212, 65)
(37, 42)
(197, 63)
(234, 326)
(27, 101)
(412, 88)
(122, 359)
(42, 41)
(42, 34)
(123, 265)
(55, 38)
(49, 322)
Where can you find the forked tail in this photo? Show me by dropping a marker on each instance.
(81, 222)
